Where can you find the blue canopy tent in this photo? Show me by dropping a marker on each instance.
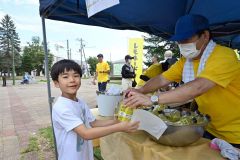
(156, 17)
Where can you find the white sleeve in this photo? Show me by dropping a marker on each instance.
(68, 120)
(89, 114)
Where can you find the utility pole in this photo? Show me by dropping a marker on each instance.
(82, 54)
(13, 62)
(68, 50)
(70, 54)
(81, 50)
(88, 72)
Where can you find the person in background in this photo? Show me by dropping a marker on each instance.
(128, 73)
(102, 73)
(73, 123)
(169, 60)
(4, 80)
(25, 78)
(151, 72)
(211, 76)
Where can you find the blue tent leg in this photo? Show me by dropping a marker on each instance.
(50, 99)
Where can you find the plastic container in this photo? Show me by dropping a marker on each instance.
(107, 103)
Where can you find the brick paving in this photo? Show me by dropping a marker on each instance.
(24, 109)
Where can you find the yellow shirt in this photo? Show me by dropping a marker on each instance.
(222, 102)
(152, 71)
(102, 77)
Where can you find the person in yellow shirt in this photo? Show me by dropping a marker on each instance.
(152, 71)
(102, 72)
(211, 76)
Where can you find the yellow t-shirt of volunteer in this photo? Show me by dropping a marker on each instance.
(152, 71)
(103, 66)
(222, 102)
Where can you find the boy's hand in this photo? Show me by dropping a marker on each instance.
(129, 126)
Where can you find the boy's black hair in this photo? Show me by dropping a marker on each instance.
(62, 65)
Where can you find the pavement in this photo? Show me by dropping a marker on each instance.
(24, 109)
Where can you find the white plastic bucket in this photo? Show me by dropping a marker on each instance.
(107, 104)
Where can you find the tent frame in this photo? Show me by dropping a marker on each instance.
(50, 98)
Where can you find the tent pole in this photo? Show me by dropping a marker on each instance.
(50, 99)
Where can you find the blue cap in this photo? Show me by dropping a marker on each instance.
(189, 25)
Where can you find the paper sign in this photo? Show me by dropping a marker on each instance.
(149, 122)
(95, 6)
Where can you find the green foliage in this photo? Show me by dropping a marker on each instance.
(9, 44)
(110, 65)
(157, 46)
(33, 57)
(32, 145)
(92, 61)
(44, 141)
(97, 153)
(47, 133)
(40, 145)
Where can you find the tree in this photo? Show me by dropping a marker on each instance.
(92, 61)
(110, 65)
(33, 57)
(157, 46)
(9, 45)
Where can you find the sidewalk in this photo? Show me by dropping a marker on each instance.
(24, 109)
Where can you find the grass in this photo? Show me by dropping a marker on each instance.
(42, 80)
(47, 134)
(43, 142)
(32, 145)
(16, 78)
(40, 145)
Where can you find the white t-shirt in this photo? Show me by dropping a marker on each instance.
(66, 115)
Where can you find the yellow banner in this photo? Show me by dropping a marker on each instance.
(135, 49)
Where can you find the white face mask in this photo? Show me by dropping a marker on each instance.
(189, 50)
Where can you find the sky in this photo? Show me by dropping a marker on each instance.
(113, 44)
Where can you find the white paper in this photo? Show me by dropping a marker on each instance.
(149, 122)
(95, 6)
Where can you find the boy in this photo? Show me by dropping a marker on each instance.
(73, 123)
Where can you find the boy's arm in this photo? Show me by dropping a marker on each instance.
(102, 123)
(92, 133)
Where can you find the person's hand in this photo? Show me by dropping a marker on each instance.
(126, 92)
(135, 99)
(129, 126)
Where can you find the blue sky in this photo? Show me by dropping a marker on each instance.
(25, 14)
